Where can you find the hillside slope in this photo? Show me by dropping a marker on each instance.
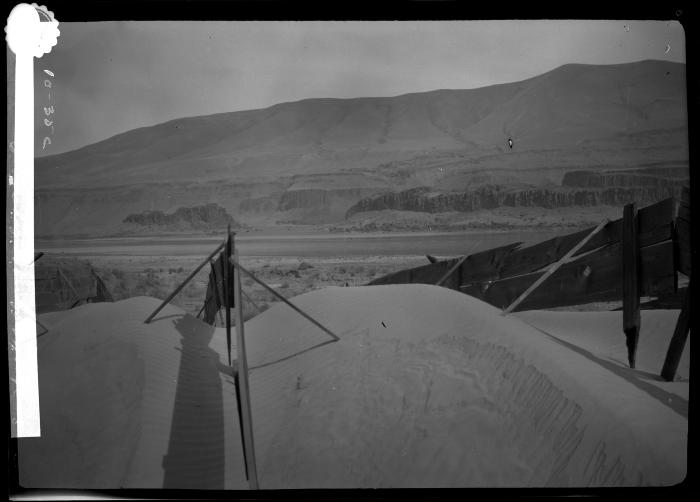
(274, 161)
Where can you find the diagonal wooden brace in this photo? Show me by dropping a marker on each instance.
(564, 259)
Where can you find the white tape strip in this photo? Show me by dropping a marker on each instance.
(27, 37)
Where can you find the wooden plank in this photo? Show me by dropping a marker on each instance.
(402, 276)
(631, 318)
(65, 279)
(486, 265)
(101, 290)
(590, 278)
(554, 268)
(427, 274)
(684, 211)
(685, 195)
(242, 366)
(677, 344)
(683, 240)
(683, 234)
(657, 275)
(228, 251)
(451, 271)
(655, 224)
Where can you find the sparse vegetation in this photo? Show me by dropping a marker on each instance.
(290, 280)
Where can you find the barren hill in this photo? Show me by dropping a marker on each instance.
(311, 160)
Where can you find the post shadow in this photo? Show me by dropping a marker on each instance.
(668, 399)
(196, 452)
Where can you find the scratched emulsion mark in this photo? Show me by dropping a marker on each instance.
(31, 32)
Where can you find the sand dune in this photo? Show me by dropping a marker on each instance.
(426, 388)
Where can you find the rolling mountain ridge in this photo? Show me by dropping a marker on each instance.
(310, 161)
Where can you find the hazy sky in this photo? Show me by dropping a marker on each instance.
(114, 76)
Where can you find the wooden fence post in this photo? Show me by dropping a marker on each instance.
(228, 251)
(680, 335)
(631, 319)
(242, 369)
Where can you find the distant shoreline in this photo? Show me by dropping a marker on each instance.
(294, 233)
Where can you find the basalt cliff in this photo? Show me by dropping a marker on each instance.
(578, 188)
(577, 135)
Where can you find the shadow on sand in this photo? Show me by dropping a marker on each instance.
(196, 452)
(639, 379)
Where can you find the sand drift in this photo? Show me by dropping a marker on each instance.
(427, 387)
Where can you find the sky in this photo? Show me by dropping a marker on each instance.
(111, 77)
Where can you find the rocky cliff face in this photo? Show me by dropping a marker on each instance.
(259, 204)
(207, 216)
(317, 197)
(670, 177)
(489, 197)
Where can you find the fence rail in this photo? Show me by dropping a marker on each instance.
(499, 275)
(637, 255)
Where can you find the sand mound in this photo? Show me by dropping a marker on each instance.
(125, 404)
(426, 388)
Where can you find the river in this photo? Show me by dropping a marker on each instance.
(313, 245)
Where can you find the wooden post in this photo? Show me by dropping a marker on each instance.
(227, 301)
(188, 279)
(242, 367)
(631, 319)
(680, 335)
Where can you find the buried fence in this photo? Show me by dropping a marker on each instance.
(625, 259)
(224, 291)
(62, 283)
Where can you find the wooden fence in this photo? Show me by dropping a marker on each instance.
(658, 242)
(499, 275)
(225, 291)
(63, 283)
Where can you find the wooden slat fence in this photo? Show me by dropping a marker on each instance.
(499, 275)
(637, 255)
(63, 283)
